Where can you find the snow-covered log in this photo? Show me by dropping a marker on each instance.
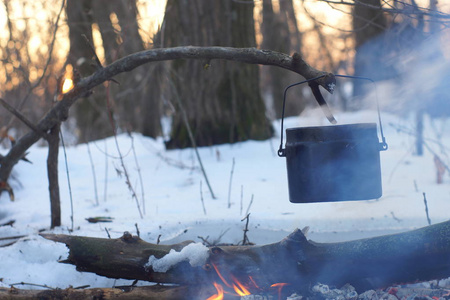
(418, 255)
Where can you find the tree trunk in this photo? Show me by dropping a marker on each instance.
(117, 24)
(221, 99)
(52, 170)
(90, 113)
(280, 33)
(418, 255)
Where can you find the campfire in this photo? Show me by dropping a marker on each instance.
(293, 268)
(234, 287)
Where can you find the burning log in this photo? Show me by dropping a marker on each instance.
(419, 255)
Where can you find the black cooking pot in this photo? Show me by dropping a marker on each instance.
(333, 163)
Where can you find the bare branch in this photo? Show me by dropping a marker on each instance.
(59, 112)
(22, 118)
(408, 9)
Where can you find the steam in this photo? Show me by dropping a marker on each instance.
(417, 77)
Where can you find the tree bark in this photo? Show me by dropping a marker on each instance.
(60, 111)
(418, 255)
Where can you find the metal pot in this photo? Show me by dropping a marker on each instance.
(333, 163)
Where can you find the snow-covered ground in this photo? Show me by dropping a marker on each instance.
(174, 187)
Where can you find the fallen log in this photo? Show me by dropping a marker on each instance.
(418, 255)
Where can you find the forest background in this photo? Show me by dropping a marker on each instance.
(42, 44)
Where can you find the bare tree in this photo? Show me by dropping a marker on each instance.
(117, 24)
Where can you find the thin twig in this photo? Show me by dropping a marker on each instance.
(122, 163)
(242, 199)
(8, 244)
(82, 287)
(15, 237)
(404, 130)
(33, 284)
(22, 118)
(138, 169)
(201, 198)
(191, 137)
(245, 240)
(9, 223)
(107, 232)
(158, 239)
(93, 173)
(229, 185)
(137, 230)
(249, 205)
(214, 242)
(91, 47)
(426, 208)
(205, 241)
(68, 179)
(99, 65)
(394, 217)
(105, 191)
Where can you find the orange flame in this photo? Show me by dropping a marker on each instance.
(279, 286)
(239, 288)
(219, 295)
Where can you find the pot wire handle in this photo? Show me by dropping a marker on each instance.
(282, 152)
(383, 145)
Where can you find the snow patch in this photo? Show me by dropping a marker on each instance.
(196, 254)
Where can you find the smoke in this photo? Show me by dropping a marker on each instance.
(414, 74)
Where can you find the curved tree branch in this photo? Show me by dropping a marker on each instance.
(59, 112)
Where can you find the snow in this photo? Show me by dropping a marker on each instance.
(173, 189)
(195, 253)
